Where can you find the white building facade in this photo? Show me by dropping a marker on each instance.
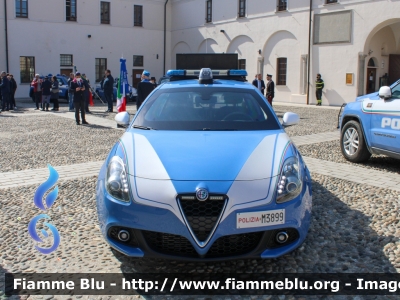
(354, 44)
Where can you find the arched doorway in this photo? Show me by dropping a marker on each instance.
(371, 75)
(380, 61)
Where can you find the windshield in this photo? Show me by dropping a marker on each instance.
(396, 91)
(206, 108)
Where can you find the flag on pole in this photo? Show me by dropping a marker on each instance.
(123, 87)
(91, 103)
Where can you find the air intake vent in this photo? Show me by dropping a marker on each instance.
(202, 216)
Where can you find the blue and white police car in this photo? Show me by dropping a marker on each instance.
(204, 171)
(371, 125)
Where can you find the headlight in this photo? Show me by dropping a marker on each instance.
(117, 180)
(289, 181)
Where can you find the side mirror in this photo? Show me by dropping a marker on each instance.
(385, 93)
(290, 119)
(122, 119)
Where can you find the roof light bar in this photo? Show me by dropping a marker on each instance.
(237, 73)
(176, 73)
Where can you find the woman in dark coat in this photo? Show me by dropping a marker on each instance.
(54, 93)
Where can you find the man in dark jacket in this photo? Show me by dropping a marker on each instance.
(145, 87)
(108, 88)
(79, 100)
(270, 89)
(5, 91)
(259, 83)
(46, 93)
(87, 90)
(13, 90)
(71, 92)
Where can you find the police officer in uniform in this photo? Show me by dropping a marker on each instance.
(270, 94)
(319, 85)
(145, 87)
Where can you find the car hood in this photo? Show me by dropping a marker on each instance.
(372, 96)
(204, 156)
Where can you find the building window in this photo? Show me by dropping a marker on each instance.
(242, 8)
(282, 5)
(101, 67)
(70, 6)
(209, 11)
(242, 64)
(21, 8)
(282, 68)
(105, 12)
(27, 68)
(138, 15)
(331, 1)
(138, 60)
(66, 60)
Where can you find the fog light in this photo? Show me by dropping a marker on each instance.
(282, 237)
(123, 235)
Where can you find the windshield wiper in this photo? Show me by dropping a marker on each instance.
(143, 127)
(216, 129)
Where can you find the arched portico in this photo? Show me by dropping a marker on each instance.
(180, 47)
(379, 64)
(283, 45)
(208, 46)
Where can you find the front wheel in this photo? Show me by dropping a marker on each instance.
(352, 143)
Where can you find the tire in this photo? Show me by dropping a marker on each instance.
(352, 143)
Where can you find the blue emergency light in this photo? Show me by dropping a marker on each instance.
(206, 72)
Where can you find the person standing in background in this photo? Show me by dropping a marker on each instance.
(270, 89)
(5, 91)
(55, 93)
(86, 84)
(70, 92)
(319, 85)
(108, 88)
(145, 87)
(13, 90)
(259, 83)
(37, 90)
(46, 93)
(79, 101)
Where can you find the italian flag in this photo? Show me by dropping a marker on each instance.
(123, 87)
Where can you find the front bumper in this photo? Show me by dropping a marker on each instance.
(156, 232)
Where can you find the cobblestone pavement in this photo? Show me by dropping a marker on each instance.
(355, 226)
(330, 151)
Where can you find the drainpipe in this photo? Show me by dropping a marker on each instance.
(6, 31)
(309, 57)
(165, 32)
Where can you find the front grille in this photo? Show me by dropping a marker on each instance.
(202, 216)
(169, 244)
(225, 246)
(237, 244)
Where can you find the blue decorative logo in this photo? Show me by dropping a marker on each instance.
(201, 194)
(49, 201)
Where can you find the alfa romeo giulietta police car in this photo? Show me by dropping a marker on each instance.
(371, 125)
(205, 171)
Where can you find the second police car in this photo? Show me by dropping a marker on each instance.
(371, 125)
(204, 171)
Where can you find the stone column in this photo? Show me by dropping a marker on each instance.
(361, 73)
(303, 74)
(260, 66)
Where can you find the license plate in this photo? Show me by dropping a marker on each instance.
(260, 218)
